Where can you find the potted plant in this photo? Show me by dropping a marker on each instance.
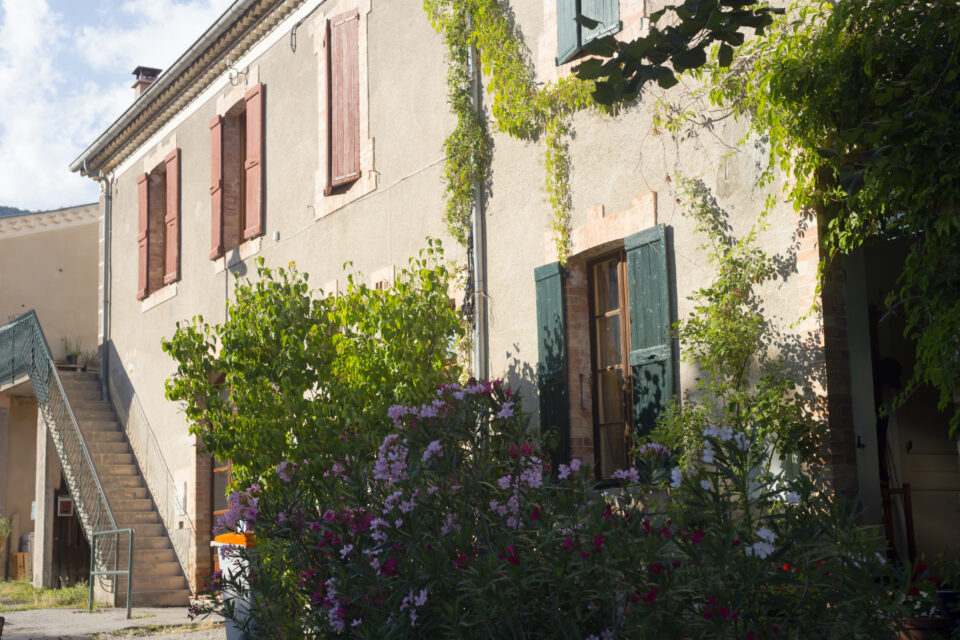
(89, 361)
(923, 615)
(72, 350)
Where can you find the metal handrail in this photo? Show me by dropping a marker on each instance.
(25, 353)
(128, 570)
(156, 473)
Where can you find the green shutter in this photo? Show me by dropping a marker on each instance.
(568, 31)
(651, 360)
(551, 351)
(606, 12)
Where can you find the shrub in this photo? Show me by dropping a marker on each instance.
(458, 528)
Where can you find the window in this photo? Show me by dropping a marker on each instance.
(343, 100)
(609, 357)
(158, 241)
(626, 324)
(236, 171)
(572, 36)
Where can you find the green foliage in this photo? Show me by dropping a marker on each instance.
(726, 337)
(859, 103)
(457, 530)
(292, 375)
(520, 108)
(623, 68)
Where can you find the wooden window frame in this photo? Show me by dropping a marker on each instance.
(626, 382)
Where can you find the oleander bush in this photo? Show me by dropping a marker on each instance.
(459, 528)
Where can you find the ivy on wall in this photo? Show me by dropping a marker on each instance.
(520, 108)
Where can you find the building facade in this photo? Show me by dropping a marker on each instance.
(313, 131)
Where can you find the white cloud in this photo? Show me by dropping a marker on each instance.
(62, 84)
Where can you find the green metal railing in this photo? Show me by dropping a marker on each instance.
(25, 355)
(115, 572)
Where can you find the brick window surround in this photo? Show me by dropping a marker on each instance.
(632, 13)
(602, 234)
(329, 200)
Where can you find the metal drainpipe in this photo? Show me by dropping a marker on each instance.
(478, 232)
(107, 185)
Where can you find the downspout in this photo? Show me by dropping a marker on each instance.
(107, 185)
(478, 236)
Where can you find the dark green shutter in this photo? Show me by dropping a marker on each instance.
(568, 31)
(651, 360)
(606, 12)
(552, 352)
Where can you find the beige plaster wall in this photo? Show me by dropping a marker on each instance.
(53, 271)
(379, 230)
(615, 160)
(19, 466)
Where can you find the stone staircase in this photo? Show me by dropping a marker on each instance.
(158, 579)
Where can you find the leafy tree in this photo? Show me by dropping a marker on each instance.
(860, 103)
(295, 375)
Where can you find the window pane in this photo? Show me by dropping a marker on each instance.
(608, 341)
(606, 287)
(613, 449)
(220, 491)
(609, 398)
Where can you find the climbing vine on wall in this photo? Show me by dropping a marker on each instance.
(520, 108)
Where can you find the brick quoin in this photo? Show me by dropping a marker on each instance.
(201, 565)
(157, 211)
(828, 337)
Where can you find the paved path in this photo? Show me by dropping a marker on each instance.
(77, 624)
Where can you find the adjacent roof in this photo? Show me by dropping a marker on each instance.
(21, 224)
(234, 33)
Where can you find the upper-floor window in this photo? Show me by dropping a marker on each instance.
(572, 36)
(236, 172)
(159, 226)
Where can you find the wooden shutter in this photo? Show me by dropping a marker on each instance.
(551, 351)
(172, 218)
(343, 99)
(253, 165)
(606, 12)
(651, 358)
(216, 187)
(568, 31)
(143, 238)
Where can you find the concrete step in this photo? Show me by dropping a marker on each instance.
(130, 492)
(122, 482)
(134, 518)
(95, 415)
(103, 423)
(107, 470)
(100, 458)
(79, 375)
(99, 446)
(82, 394)
(160, 598)
(141, 530)
(89, 404)
(71, 385)
(153, 583)
(131, 504)
(92, 436)
(151, 557)
(145, 544)
(145, 570)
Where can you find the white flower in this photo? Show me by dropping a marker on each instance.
(765, 534)
(707, 452)
(760, 549)
(345, 551)
(705, 484)
(791, 497)
(676, 476)
(742, 441)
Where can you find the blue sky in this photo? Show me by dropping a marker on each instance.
(65, 75)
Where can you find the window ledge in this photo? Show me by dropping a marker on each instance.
(159, 296)
(237, 255)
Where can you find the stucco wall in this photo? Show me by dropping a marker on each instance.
(614, 160)
(382, 229)
(19, 465)
(54, 271)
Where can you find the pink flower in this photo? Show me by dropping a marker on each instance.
(567, 544)
(506, 411)
(433, 450)
(651, 595)
(535, 514)
(563, 472)
(510, 555)
(598, 542)
(575, 465)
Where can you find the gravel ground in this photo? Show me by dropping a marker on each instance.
(103, 624)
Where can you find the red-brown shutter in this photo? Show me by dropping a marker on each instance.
(343, 99)
(172, 219)
(143, 238)
(216, 187)
(253, 166)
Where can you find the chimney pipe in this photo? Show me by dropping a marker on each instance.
(145, 77)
